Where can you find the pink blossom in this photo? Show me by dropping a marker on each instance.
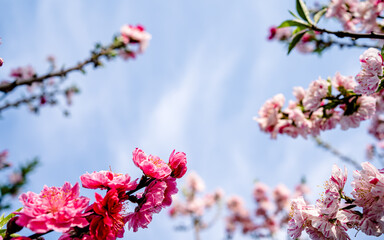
(178, 164)
(279, 33)
(107, 180)
(368, 83)
(281, 194)
(156, 196)
(299, 93)
(152, 166)
(338, 178)
(317, 90)
(132, 34)
(55, 208)
(269, 113)
(23, 73)
(346, 82)
(366, 107)
(299, 217)
(1, 62)
(368, 185)
(260, 192)
(195, 182)
(372, 68)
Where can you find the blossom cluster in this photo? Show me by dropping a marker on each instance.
(196, 206)
(269, 217)
(356, 15)
(335, 212)
(62, 209)
(317, 109)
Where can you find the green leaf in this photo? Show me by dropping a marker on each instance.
(302, 10)
(382, 51)
(2, 232)
(319, 14)
(294, 15)
(298, 29)
(4, 220)
(295, 22)
(296, 39)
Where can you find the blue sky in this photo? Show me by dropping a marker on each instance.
(206, 73)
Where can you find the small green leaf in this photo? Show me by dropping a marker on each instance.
(319, 14)
(296, 39)
(298, 29)
(2, 232)
(294, 15)
(295, 22)
(4, 220)
(302, 10)
(382, 51)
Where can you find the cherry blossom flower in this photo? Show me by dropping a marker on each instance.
(23, 73)
(55, 208)
(107, 180)
(135, 34)
(314, 95)
(178, 164)
(152, 166)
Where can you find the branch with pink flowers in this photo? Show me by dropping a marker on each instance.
(270, 216)
(335, 212)
(62, 209)
(195, 207)
(318, 109)
(133, 40)
(359, 19)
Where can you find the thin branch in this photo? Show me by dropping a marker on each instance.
(27, 100)
(344, 44)
(335, 152)
(95, 59)
(343, 34)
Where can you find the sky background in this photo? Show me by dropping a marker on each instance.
(207, 71)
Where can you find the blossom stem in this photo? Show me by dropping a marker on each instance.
(335, 152)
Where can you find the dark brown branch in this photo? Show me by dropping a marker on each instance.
(95, 59)
(343, 34)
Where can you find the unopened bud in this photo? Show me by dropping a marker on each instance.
(12, 226)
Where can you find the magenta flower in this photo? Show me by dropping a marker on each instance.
(178, 164)
(152, 166)
(107, 180)
(107, 223)
(55, 208)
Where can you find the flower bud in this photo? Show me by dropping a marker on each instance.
(12, 226)
(178, 164)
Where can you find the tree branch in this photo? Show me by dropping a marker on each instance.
(95, 59)
(343, 34)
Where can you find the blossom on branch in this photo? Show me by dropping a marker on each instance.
(55, 208)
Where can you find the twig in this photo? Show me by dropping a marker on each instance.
(27, 100)
(335, 152)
